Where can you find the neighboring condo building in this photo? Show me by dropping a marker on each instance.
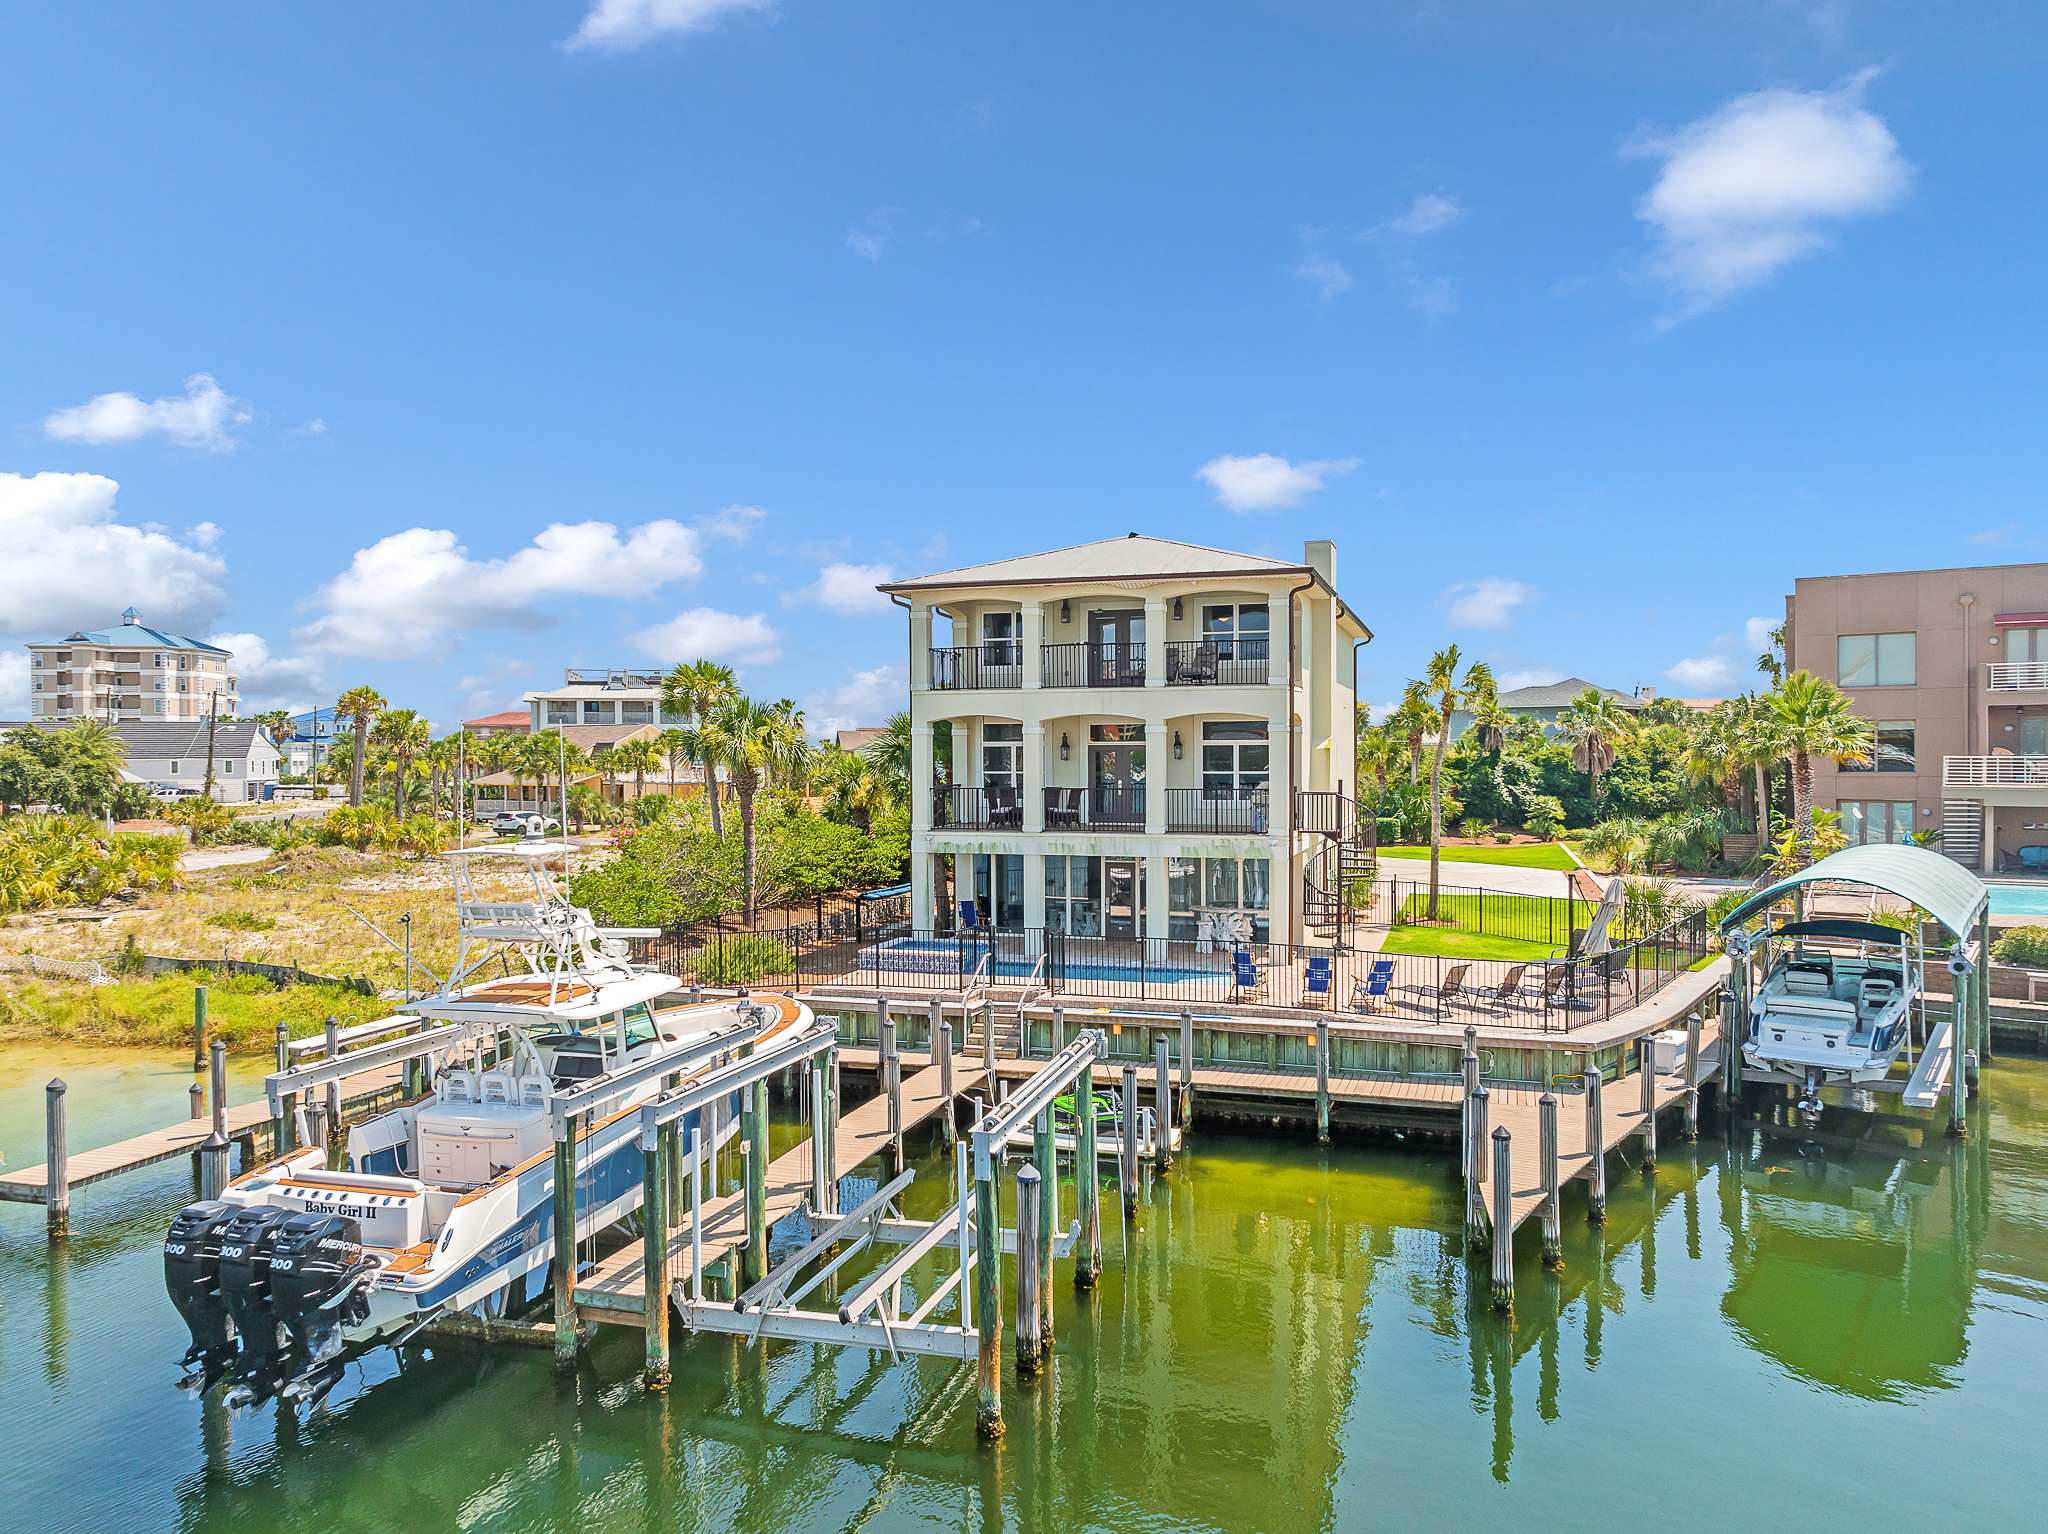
(130, 671)
(1951, 667)
(620, 697)
(1134, 724)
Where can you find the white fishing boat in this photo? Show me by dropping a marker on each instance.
(1834, 1005)
(445, 1203)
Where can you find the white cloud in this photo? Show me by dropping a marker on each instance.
(411, 587)
(1528, 676)
(313, 428)
(271, 681)
(735, 524)
(205, 534)
(623, 24)
(1427, 293)
(1266, 481)
(870, 237)
(87, 566)
(1426, 215)
(1723, 666)
(1751, 187)
(204, 416)
(863, 698)
(1380, 713)
(1325, 274)
(13, 684)
(845, 588)
(1756, 634)
(1487, 603)
(1991, 537)
(705, 633)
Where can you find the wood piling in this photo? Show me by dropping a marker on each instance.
(198, 1028)
(1553, 1205)
(1692, 1076)
(56, 1169)
(754, 1255)
(1322, 1083)
(195, 1101)
(988, 1299)
(942, 1055)
(1087, 1184)
(654, 1199)
(1187, 1068)
(1059, 1027)
(213, 1153)
(1027, 1270)
(1596, 1149)
(892, 1083)
(1646, 1067)
(1503, 1222)
(988, 1042)
(1045, 1156)
(565, 1244)
(1476, 1152)
(1127, 1163)
(935, 1020)
(1162, 1097)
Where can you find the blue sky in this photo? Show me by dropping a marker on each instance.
(442, 347)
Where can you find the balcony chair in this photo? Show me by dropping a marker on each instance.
(1201, 666)
(1063, 808)
(1246, 976)
(1369, 994)
(1004, 812)
(1449, 989)
(1509, 988)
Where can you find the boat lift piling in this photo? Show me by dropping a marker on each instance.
(1596, 1173)
(1162, 1098)
(1646, 1069)
(213, 1153)
(1127, 1161)
(1547, 1155)
(1476, 1152)
(1030, 1314)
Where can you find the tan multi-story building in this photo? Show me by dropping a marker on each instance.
(1144, 733)
(1951, 666)
(130, 672)
(618, 696)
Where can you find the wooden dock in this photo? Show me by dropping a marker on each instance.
(615, 1289)
(246, 1121)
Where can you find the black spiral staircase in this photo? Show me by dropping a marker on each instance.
(1336, 867)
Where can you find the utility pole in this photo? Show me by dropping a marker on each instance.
(212, 717)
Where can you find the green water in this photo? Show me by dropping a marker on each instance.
(1290, 1341)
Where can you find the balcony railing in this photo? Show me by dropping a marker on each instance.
(1234, 812)
(1103, 808)
(1319, 810)
(998, 663)
(964, 807)
(1234, 662)
(2016, 676)
(1093, 665)
(2002, 771)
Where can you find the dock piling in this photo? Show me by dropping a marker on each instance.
(988, 1044)
(1475, 1168)
(754, 1117)
(943, 1055)
(1547, 1154)
(1045, 1156)
(1692, 1076)
(1127, 1163)
(1187, 1068)
(56, 1162)
(333, 1116)
(1027, 1270)
(1596, 1152)
(1087, 1183)
(565, 1244)
(198, 1028)
(196, 1106)
(1503, 1222)
(935, 1023)
(1646, 1067)
(988, 1298)
(213, 1152)
(892, 1083)
(1162, 1126)
(1322, 1082)
(1059, 1027)
(654, 1196)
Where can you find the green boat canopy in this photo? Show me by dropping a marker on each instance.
(1943, 888)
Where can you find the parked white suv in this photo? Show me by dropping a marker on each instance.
(512, 823)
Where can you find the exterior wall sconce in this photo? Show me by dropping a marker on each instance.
(1176, 745)
(1066, 612)
(1065, 749)
(1176, 609)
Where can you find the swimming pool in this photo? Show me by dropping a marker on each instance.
(2019, 899)
(930, 956)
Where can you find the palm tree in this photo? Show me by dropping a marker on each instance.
(1410, 722)
(402, 735)
(1594, 725)
(638, 757)
(759, 743)
(694, 690)
(1815, 718)
(361, 705)
(1445, 692)
(1379, 754)
(674, 746)
(853, 785)
(1490, 721)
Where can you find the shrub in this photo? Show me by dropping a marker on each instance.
(2021, 945)
(358, 828)
(1545, 817)
(1471, 828)
(240, 921)
(742, 960)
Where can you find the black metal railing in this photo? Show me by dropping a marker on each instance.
(1325, 812)
(972, 808)
(1092, 665)
(1239, 811)
(1233, 662)
(997, 663)
(1113, 807)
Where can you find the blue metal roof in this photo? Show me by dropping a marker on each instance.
(1943, 888)
(135, 632)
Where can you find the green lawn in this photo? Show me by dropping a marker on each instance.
(1531, 855)
(1463, 945)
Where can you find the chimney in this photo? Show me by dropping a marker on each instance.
(1320, 555)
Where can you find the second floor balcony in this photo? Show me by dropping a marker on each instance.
(2016, 676)
(2001, 769)
(1233, 809)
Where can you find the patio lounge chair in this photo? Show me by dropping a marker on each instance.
(1369, 993)
(1200, 666)
(1317, 981)
(1063, 807)
(970, 917)
(1248, 978)
(1449, 989)
(1510, 986)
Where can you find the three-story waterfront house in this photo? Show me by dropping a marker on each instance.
(1143, 733)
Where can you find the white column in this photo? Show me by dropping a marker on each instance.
(1282, 887)
(1155, 642)
(1278, 628)
(1156, 747)
(1033, 792)
(967, 752)
(1034, 891)
(1156, 902)
(920, 884)
(1990, 863)
(1031, 630)
(920, 646)
(921, 778)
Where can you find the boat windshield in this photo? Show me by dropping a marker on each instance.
(640, 1027)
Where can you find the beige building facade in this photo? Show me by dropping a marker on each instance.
(1951, 667)
(131, 672)
(1136, 726)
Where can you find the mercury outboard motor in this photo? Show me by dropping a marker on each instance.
(318, 1278)
(245, 1243)
(192, 1278)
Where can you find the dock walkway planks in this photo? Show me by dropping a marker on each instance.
(29, 1186)
(615, 1289)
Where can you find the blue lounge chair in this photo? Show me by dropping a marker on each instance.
(1315, 980)
(1370, 993)
(1250, 980)
(970, 918)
